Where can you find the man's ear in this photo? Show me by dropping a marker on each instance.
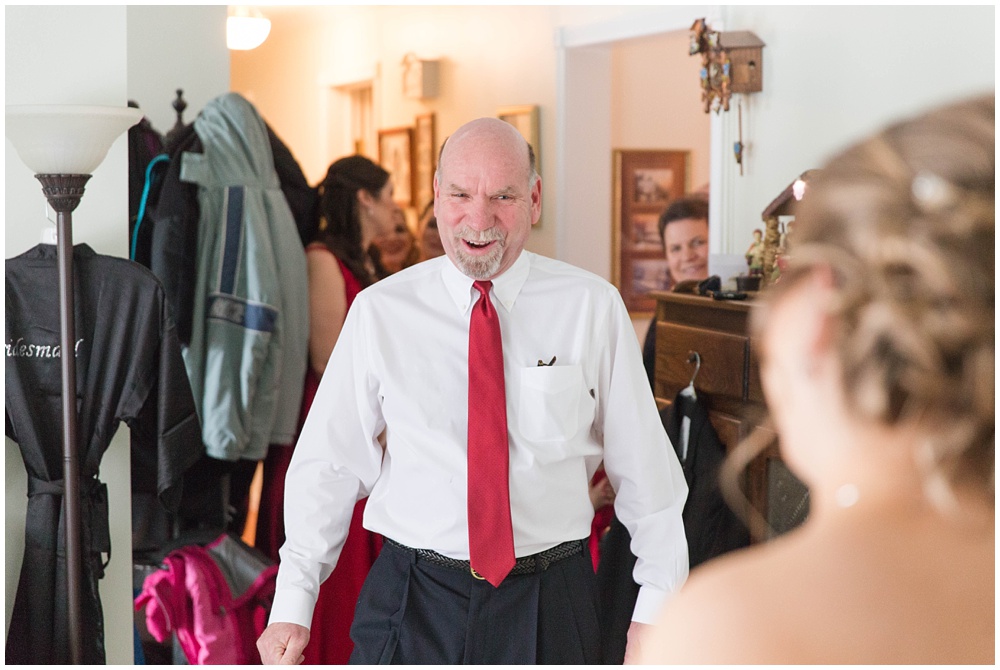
(536, 201)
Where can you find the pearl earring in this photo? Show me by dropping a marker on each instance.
(847, 495)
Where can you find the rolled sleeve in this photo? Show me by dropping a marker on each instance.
(643, 467)
(336, 462)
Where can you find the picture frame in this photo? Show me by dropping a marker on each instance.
(526, 119)
(425, 160)
(395, 154)
(644, 183)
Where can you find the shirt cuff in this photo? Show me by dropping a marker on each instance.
(649, 604)
(292, 606)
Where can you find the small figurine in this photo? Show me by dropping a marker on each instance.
(755, 254)
(715, 67)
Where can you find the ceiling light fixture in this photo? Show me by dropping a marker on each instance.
(246, 28)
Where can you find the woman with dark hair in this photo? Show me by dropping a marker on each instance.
(356, 206)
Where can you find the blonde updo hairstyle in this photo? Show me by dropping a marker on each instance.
(905, 221)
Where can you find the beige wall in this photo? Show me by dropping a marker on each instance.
(490, 56)
(656, 100)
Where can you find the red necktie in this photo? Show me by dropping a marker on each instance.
(491, 536)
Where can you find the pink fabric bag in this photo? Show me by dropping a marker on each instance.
(216, 599)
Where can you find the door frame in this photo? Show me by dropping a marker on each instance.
(583, 134)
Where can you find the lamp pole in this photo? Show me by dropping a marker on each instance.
(63, 191)
(63, 145)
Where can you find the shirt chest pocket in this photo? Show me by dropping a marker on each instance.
(551, 404)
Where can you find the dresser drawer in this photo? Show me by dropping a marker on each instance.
(724, 359)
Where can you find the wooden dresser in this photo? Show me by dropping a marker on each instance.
(728, 382)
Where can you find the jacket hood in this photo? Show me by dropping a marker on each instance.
(236, 143)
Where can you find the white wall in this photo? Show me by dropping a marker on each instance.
(835, 74)
(172, 47)
(83, 55)
(71, 55)
(491, 56)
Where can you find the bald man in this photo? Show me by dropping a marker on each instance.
(481, 490)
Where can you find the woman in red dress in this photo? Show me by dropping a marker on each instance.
(356, 205)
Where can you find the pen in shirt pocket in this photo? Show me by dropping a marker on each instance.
(543, 364)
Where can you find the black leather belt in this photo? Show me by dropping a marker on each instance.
(526, 565)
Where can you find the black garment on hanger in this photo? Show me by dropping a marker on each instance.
(128, 368)
(144, 144)
(710, 526)
(169, 231)
(302, 198)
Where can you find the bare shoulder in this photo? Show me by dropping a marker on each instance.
(321, 263)
(838, 593)
(727, 612)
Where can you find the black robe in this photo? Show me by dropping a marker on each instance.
(128, 368)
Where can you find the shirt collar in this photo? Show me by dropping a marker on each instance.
(506, 287)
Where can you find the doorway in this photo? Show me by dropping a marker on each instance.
(586, 131)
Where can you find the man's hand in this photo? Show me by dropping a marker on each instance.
(282, 644)
(601, 494)
(636, 631)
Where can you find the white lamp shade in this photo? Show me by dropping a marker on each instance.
(246, 32)
(66, 139)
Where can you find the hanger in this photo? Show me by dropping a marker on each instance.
(49, 235)
(693, 357)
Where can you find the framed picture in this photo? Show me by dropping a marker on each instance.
(525, 119)
(425, 160)
(645, 183)
(395, 154)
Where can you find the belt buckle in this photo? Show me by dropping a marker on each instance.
(476, 574)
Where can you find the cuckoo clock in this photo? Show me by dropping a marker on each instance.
(731, 62)
(746, 66)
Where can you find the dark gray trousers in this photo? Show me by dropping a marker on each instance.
(414, 612)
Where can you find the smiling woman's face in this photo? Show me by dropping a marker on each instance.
(395, 245)
(430, 240)
(686, 246)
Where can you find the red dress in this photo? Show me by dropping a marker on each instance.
(329, 639)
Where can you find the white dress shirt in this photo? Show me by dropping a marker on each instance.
(401, 364)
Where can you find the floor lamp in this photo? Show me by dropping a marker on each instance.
(63, 145)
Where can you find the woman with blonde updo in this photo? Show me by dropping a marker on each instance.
(877, 362)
